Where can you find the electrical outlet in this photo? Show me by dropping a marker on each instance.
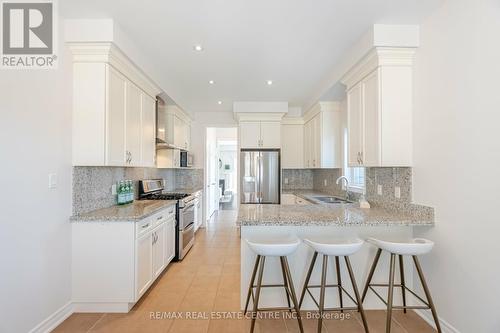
(113, 189)
(397, 192)
(52, 181)
(286, 181)
(379, 189)
(325, 182)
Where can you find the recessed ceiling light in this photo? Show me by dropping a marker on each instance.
(269, 82)
(211, 81)
(198, 48)
(219, 102)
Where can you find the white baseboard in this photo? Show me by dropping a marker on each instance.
(87, 307)
(54, 319)
(446, 327)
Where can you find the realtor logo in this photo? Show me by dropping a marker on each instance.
(28, 35)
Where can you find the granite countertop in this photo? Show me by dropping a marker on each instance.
(131, 212)
(321, 214)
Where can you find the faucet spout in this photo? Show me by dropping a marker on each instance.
(344, 178)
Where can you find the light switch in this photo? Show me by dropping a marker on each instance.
(325, 182)
(286, 181)
(379, 189)
(52, 180)
(397, 192)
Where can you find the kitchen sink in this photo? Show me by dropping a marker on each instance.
(332, 200)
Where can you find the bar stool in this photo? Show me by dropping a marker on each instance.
(337, 249)
(272, 248)
(414, 248)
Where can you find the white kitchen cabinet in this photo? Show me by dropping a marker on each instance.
(379, 109)
(133, 125)
(108, 108)
(168, 158)
(115, 263)
(148, 150)
(144, 262)
(260, 134)
(174, 127)
(322, 136)
(159, 247)
(292, 144)
(250, 134)
(170, 239)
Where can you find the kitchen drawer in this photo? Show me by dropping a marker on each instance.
(143, 227)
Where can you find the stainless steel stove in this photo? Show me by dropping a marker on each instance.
(154, 189)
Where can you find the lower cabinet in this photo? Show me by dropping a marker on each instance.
(114, 263)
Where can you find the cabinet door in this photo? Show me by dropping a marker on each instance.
(370, 152)
(144, 264)
(188, 136)
(250, 134)
(270, 134)
(316, 141)
(354, 124)
(115, 118)
(178, 132)
(307, 144)
(133, 124)
(292, 146)
(158, 250)
(169, 240)
(148, 131)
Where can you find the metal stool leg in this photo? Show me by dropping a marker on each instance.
(322, 292)
(339, 282)
(292, 291)
(402, 275)
(390, 294)
(356, 293)
(285, 282)
(308, 277)
(370, 275)
(427, 293)
(252, 281)
(257, 294)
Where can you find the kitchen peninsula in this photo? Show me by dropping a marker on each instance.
(324, 221)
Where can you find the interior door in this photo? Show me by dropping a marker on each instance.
(250, 176)
(269, 170)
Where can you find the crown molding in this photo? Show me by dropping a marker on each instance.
(177, 111)
(330, 106)
(378, 57)
(259, 116)
(292, 121)
(107, 52)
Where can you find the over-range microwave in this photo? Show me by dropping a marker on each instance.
(186, 159)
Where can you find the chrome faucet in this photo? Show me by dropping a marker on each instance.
(346, 185)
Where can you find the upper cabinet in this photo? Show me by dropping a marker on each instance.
(292, 143)
(379, 109)
(114, 109)
(174, 127)
(322, 136)
(259, 130)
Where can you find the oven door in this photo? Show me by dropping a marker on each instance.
(186, 230)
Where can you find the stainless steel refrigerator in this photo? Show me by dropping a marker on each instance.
(260, 176)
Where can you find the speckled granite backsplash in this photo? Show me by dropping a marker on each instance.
(298, 179)
(92, 185)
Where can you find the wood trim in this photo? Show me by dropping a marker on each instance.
(321, 107)
(292, 121)
(108, 52)
(378, 56)
(259, 116)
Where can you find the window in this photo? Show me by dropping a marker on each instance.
(356, 175)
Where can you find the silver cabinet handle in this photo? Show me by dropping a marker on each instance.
(145, 226)
(159, 218)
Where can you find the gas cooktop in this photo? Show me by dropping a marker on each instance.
(167, 196)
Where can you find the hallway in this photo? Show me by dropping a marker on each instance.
(192, 293)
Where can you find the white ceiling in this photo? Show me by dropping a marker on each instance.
(295, 43)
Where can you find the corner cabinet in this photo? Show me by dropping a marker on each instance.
(114, 263)
(322, 136)
(114, 109)
(379, 109)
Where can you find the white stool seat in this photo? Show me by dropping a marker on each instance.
(335, 247)
(274, 247)
(414, 247)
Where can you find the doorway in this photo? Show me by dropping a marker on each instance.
(221, 165)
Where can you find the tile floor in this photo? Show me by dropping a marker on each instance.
(207, 281)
